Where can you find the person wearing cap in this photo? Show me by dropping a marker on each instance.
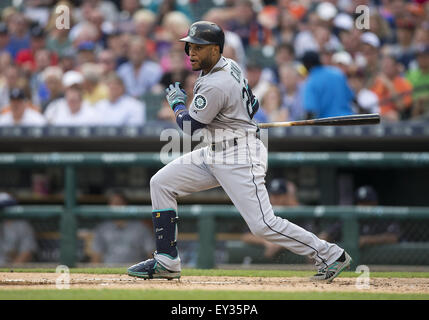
(72, 110)
(17, 240)
(282, 192)
(86, 53)
(394, 91)
(26, 57)
(419, 79)
(370, 51)
(371, 232)
(326, 92)
(366, 100)
(20, 112)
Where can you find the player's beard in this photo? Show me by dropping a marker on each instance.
(206, 65)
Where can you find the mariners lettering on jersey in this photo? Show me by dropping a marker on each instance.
(200, 102)
(235, 72)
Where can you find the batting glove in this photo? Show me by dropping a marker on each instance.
(175, 95)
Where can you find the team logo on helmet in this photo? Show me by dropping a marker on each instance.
(192, 31)
(200, 102)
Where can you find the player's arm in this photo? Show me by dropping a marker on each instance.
(176, 98)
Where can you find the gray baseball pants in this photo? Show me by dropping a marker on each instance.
(240, 170)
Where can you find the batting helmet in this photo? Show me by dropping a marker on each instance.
(204, 32)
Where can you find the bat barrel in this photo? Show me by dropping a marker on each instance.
(350, 120)
(359, 119)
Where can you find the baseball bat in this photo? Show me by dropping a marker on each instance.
(358, 119)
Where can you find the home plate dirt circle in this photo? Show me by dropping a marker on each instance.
(114, 281)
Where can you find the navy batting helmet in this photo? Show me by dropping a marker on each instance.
(204, 32)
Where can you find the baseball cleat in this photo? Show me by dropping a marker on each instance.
(332, 271)
(152, 269)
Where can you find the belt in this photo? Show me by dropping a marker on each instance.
(222, 145)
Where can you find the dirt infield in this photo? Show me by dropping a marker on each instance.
(297, 284)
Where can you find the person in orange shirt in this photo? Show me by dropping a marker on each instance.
(393, 90)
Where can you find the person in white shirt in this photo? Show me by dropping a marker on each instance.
(72, 110)
(20, 111)
(120, 109)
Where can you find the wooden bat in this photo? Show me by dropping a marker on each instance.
(358, 119)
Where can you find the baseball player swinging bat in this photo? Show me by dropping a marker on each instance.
(223, 101)
(359, 119)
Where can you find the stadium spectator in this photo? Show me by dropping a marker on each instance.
(175, 69)
(52, 80)
(393, 90)
(118, 43)
(370, 50)
(419, 79)
(165, 114)
(318, 36)
(145, 25)
(106, 59)
(291, 91)
(342, 60)
(120, 109)
(42, 60)
(12, 77)
(94, 89)
(175, 25)
(139, 74)
(19, 36)
(72, 110)
(125, 21)
(287, 28)
(366, 100)
(271, 104)
(17, 241)
(371, 232)
(57, 39)
(86, 53)
(255, 80)
(326, 91)
(4, 39)
(284, 54)
(26, 58)
(107, 8)
(231, 38)
(163, 7)
(282, 193)
(121, 241)
(20, 112)
(403, 49)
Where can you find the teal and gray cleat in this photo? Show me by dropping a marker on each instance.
(330, 272)
(152, 269)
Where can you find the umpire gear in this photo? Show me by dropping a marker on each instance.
(204, 32)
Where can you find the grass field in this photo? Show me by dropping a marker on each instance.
(175, 290)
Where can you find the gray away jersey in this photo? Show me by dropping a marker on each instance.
(222, 103)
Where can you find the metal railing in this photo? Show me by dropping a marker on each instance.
(70, 212)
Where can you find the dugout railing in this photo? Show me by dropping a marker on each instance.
(70, 212)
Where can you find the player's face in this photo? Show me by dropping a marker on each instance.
(202, 57)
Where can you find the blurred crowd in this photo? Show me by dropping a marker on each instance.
(94, 62)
